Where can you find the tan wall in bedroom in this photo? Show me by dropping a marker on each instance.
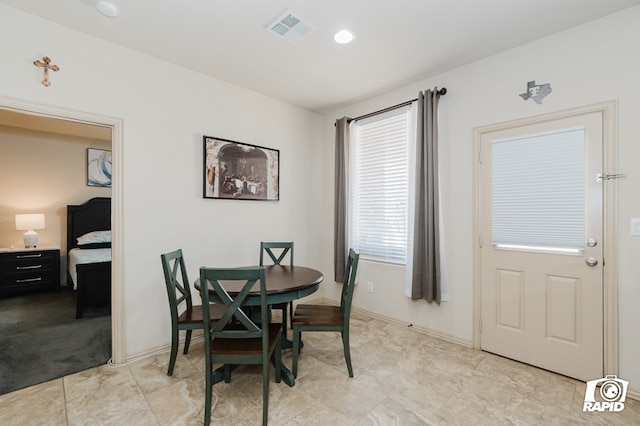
(42, 173)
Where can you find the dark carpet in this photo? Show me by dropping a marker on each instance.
(41, 340)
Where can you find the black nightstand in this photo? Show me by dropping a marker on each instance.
(29, 269)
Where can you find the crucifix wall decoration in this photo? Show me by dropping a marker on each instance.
(46, 64)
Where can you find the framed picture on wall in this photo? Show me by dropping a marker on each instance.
(98, 167)
(240, 171)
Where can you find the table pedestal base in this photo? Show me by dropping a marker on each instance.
(287, 375)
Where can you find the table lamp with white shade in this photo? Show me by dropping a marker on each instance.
(29, 222)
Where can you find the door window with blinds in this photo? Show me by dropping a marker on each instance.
(538, 191)
(379, 185)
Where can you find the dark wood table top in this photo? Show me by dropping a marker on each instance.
(284, 283)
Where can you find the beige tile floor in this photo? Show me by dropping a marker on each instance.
(402, 377)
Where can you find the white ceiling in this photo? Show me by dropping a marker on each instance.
(397, 41)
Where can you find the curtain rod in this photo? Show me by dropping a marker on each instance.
(440, 92)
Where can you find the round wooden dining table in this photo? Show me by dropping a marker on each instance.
(284, 284)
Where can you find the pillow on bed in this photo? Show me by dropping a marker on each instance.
(94, 237)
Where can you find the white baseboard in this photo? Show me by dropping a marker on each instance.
(196, 337)
(428, 332)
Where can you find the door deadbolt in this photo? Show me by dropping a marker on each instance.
(591, 261)
(591, 242)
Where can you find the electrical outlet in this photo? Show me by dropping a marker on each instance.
(370, 286)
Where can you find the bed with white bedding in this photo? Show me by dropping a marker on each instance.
(78, 256)
(89, 252)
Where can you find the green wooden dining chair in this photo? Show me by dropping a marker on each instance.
(328, 318)
(184, 315)
(235, 338)
(287, 247)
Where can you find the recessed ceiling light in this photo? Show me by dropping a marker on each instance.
(344, 37)
(107, 9)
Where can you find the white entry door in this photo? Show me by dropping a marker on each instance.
(541, 244)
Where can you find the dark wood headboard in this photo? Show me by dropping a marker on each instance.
(94, 215)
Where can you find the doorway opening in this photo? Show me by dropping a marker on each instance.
(59, 117)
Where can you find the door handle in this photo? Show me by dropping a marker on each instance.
(591, 261)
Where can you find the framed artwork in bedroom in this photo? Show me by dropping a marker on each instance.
(240, 171)
(98, 167)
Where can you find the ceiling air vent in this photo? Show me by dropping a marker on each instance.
(290, 27)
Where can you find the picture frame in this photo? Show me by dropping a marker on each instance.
(239, 171)
(98, 167)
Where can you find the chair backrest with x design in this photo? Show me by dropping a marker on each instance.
(243, 326)
(349, 282)
(287, 247)
(177, 281)
(268, 248)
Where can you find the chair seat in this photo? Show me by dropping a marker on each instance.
(222, 346)
(318, 315)
(194, 315)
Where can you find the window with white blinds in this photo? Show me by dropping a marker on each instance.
(379, 182)
(538, 190)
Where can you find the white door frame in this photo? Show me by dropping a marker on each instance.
(117, 249)
(609, 226)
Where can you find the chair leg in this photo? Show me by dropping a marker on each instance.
(174, 351)
(278, 361)
(296, 351)
(265, 392)
(187, 342)
(347, 352)
(208, 392)
(227, 373)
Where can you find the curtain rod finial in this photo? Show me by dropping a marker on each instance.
(442, 91)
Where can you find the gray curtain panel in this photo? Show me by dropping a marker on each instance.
(340, 201)
(426, 239)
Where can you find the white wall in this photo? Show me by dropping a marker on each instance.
(590, 64)
(166, 110)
